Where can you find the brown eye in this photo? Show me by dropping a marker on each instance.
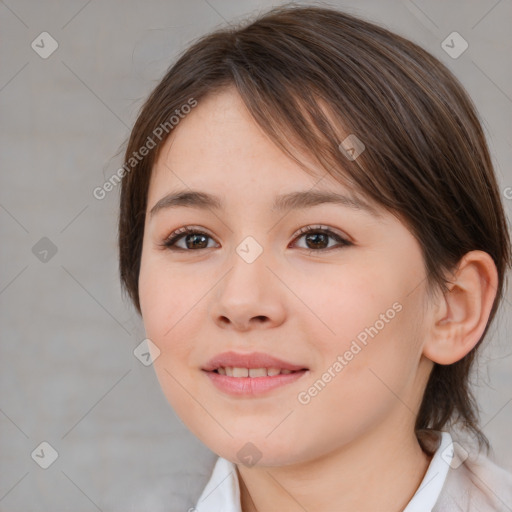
(192, 238)
(317, 239)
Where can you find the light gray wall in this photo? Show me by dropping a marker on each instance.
(68, 375)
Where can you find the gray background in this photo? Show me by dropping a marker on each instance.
(68, 374)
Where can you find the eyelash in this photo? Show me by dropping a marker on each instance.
(171, 240)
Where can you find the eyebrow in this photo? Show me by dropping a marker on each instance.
(285, 202)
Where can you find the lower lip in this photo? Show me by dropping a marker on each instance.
(250, 386)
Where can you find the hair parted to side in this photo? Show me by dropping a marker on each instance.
(310, 76)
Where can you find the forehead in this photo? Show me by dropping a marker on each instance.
(220, 141)
(218, 148)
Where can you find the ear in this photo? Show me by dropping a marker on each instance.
(461, 315)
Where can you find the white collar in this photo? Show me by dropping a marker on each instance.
(222, 492)
(429, 490)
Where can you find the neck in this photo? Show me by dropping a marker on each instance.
(381, 470)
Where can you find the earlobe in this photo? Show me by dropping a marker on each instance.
(463, 310)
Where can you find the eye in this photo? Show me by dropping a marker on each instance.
(193, 238)
(318, 238)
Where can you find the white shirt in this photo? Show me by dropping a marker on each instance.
(222, 492)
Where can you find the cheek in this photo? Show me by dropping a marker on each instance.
(371, 335)
(166, 298)
(169, 301)
(348, 304)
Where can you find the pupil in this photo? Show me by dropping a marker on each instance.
(315, 237)
(194, 238)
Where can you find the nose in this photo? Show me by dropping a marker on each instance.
(249, 296)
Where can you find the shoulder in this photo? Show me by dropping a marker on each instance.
(475, 483)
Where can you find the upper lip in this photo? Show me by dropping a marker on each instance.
(250, 360)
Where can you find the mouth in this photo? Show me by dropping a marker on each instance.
(240, 372)
(251, 374)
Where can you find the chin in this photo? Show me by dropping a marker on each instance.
(254, 451)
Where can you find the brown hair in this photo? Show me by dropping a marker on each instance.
(310, 76)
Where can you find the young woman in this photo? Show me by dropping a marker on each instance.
(311, 230)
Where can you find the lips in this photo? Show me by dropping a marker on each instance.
(236, 362)
(251, 375)
(250, 372)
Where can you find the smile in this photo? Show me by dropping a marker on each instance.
(251, 374)
(231, 371)
(252, 382)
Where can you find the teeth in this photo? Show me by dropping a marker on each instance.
(240, 372)
(251, 372)
(257, 372)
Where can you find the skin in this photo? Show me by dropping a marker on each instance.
(352, 447)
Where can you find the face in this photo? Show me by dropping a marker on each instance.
(345, 301)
